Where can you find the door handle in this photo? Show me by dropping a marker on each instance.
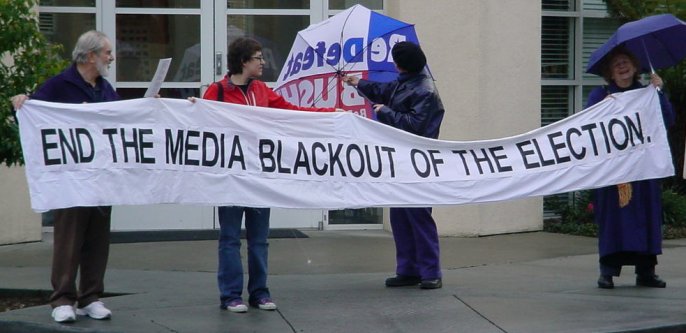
(218, 63)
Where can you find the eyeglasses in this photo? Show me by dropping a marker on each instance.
(260, 59)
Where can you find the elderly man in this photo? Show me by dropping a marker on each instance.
(81, 234)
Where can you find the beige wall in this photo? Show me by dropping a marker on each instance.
(485, 57)
(18, 223)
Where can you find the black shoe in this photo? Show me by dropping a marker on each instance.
(403, 281)
(653, 281)
(605, 282)
(431, 284)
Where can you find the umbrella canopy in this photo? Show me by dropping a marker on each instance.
(657, 41)
(357, 41)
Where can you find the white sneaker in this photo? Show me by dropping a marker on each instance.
(64, 314)
(95, 310)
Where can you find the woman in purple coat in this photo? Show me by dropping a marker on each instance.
(629, 215)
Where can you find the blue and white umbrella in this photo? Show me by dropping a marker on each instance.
(357, 41)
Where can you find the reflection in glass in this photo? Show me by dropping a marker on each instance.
(275, 33)
(268, 4)
(344, 4)
(159, 3)
(133, 93)
(65, 29)
(356, 216)
(556, 103)
(70, 3)
(557, 45)
(144, 39)
(558, 4)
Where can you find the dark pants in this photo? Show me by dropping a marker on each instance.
(230, 271)
(611, 264)
(416, 243)
(81, 242)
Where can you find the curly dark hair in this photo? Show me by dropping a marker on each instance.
(241, 51)
(619, 50)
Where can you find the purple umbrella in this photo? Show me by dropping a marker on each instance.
(657, 41)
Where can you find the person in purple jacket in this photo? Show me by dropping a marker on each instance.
(81, 234)
(410, 103)
(629, 215)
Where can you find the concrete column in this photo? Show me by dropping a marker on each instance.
(485, 56)
(18, 223)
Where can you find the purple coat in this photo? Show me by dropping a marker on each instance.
(70, 87)
(411, 103)
(636, 227)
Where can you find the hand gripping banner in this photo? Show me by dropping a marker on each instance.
(151, 151)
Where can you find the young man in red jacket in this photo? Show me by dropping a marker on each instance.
(240, 86)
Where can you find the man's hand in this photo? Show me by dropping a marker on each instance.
(377, 107)
(18, 101)
(351, 80)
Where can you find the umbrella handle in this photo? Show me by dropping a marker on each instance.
(650, 63)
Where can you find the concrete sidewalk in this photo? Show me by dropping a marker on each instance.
(333, 282)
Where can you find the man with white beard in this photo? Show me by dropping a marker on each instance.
(81, 234)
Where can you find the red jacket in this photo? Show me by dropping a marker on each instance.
(259, 94)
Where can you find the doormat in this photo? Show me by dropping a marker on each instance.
(190, 235)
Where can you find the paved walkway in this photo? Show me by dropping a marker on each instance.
(333, 282)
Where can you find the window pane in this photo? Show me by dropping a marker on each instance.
(143, 39)
(132, 93)
(275, 33)
(555, 103)
(344, 4)
(558, 4)
(65, 29)
(159, 3)
(595, 5)
(596, 32)
(71, 3)
(269, 4)
(356, 216)
(557, 44)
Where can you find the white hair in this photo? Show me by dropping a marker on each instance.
(91, 41)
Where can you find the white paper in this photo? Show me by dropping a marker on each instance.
(158, 78)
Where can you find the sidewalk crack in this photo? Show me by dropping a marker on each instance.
(286, 320)
(479, 313)
(163, 326)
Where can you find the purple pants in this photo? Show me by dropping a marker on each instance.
(416, 243)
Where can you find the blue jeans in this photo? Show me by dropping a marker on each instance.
(230, 272)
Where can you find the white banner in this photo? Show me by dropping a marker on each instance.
(149, 151)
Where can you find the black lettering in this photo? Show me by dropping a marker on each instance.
(359, 172)
(576, 155)
(209, 136)
(267, 153)
(374, 173)
(481, 159)
(497, 158)
(557, 146)
(174, 149)
(390, 151)
(145, 145)
(190, 146)
(520, 146)
(48, 145)
(317, 170)
(237, 153)
(70, 144)
(301, 160)
(335, 160)
(421, 173)
(110, 132)
(461, 153)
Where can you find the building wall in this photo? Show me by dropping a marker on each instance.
(18, 223)
(485, 56)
